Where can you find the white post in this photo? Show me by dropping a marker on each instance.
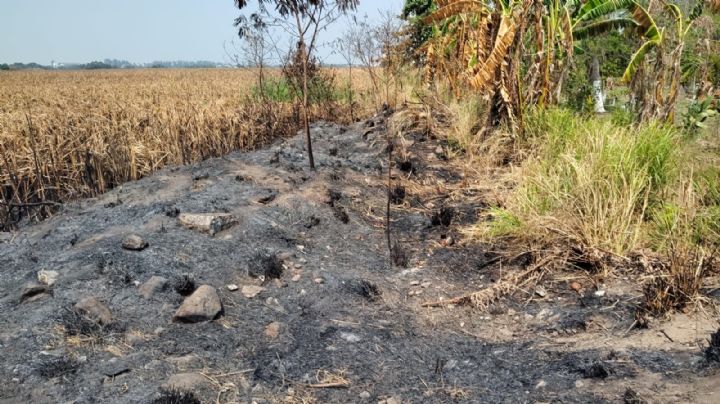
(598, 95)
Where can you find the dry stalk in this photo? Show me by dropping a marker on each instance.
(505, 286)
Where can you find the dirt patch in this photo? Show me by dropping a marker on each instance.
(347, 322)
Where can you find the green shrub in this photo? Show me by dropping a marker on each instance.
(591, 180)
(320, 90)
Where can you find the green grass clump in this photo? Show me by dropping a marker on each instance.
(593, 181)
(320, 90)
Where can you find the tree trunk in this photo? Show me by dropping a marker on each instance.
(306, 119)
(596, 80)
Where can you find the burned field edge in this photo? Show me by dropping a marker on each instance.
(382, 320)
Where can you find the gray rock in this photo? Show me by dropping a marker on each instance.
(210, 223)
(203, 305)
(187, 382)
(152, 286)
(134, 242)
(185, 362)
(251, 291)
(115, 368)
(95, 310)
(350, 337)
(47, 277)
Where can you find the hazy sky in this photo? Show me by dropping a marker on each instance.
(135, 30)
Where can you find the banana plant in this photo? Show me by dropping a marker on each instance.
(482, 44)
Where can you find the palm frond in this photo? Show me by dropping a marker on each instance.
(603, 26)
(454, 8)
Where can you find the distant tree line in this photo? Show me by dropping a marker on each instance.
(113, 64)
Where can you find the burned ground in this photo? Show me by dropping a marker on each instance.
(334, 320)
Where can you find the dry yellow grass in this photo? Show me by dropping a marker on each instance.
(76, 133)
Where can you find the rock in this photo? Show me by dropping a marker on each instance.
(186, 361)
(273, 329)
(5, 237)
(576, 286)
(210, 223)
(540, 291)
(152, 286)
(115, 367)
(232, 287)
(265, 199)
(365, 395)
(133, 338)
(319, 280)
(251, 291)
(425, 284)
(187, 382)
(203, 305)
(579, 384)
(134, 242)
(350, 337)
(285, 255)
(95, 310)
(450, 365)
(600, 293)
(296, 278)
(47, 277)
(32, 291)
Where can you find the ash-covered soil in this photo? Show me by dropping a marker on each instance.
(319, 314)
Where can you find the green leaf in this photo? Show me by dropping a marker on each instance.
(603, 26)
(638, 58)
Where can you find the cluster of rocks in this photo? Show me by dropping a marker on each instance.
(203, 304)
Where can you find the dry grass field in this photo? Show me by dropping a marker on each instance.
(69, 134)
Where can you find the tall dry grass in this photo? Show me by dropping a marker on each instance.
(72, 134)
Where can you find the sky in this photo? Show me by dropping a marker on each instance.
(140, 31)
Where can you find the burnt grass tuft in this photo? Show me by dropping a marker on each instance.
(311, 222)
(397, 195)
(333, 196)
(363, 288)
(184, 285)
(712, 352)
(405, 166)
(172, 396)
(265, 264)
(340, 214)
(443, 216)
(597, 370)
(75, 323)
(56, 367)
(632, 397)
(399, 256)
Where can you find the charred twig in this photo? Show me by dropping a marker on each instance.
(503, 287)
(389, 195)
(30, 204)
(343, 385)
